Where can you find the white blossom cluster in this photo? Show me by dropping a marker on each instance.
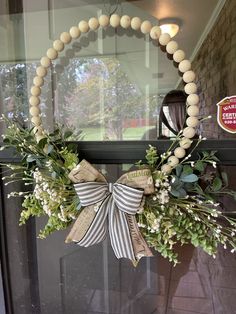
(49, 197)
(162, 188)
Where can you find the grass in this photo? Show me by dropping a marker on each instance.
(97, 134)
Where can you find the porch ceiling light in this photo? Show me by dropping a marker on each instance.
(171, 28)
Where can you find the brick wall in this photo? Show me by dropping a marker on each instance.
(215, 67)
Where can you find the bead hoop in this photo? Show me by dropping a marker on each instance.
(172, 48)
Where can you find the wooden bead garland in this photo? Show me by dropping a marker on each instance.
(125, 21)
(164, 39)
(34, 101)
(65, 38)
(184, 66)
(193, 99)
(45, 62)
(192, 121)
(189, 132)
(52, 53)
(83, 26)
(179, 152)
(38, 81)
(179, 56)
(136, 23)
(35, 91)
(74, 32)
(41, 71)
(146, 27)
(58, 45)
(104, 20)
(93, 23)
(155, 33)
(193, 111)
(115, 20)
(173, 161)
(189, 77)
(190, 88)
(172, 47)
(185, 143)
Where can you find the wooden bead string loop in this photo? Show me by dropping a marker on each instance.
(136, 24)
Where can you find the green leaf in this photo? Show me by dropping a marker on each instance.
(225, 178)
(42, 142)
(178, 170)
(68, 134)
(187, 170)
(217, 184)
(200, 166)
(189, 178)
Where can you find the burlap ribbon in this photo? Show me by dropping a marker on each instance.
(110, 207)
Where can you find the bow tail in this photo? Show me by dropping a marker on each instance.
(98, 229)
(119, 233)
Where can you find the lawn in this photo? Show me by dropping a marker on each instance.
(97, 134)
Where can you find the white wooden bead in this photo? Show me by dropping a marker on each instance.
(83, 26)
(125, 21)
(74, 32)
(38, 81)
(193, 99)
(65, 38)
(164, 39)
(34, 101)
(52, 53)
(179, 55)
(190, 88)
(192, 122)
(34, 111)
(179, 152)
(155, 32)
(185, 143)
(45, 62)
(58, 45)
(36, 120)
(93, 23)
(184, 66)
(189, 77)
(173, 161)
(193, 111)
(146, 27)
(104, 20)
(166, 168)
(115, 20)
(41, 71)
(35, 91)
(172, 47)
(189, 132)
(136, 23)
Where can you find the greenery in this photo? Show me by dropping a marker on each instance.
(183, 209)
(44, 167)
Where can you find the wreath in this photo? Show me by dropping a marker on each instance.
(169, 199)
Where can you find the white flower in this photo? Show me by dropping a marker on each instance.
(214, 164)
(192, 163)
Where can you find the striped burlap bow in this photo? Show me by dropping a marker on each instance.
(109, 207)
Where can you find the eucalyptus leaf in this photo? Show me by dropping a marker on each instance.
(217, 184)
(189, 178)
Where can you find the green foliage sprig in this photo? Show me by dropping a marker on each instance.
(44, 167)
(185, 210)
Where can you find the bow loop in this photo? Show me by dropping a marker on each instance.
(91, 193)
(110, 207)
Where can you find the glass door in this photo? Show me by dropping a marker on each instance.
(115, 89)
